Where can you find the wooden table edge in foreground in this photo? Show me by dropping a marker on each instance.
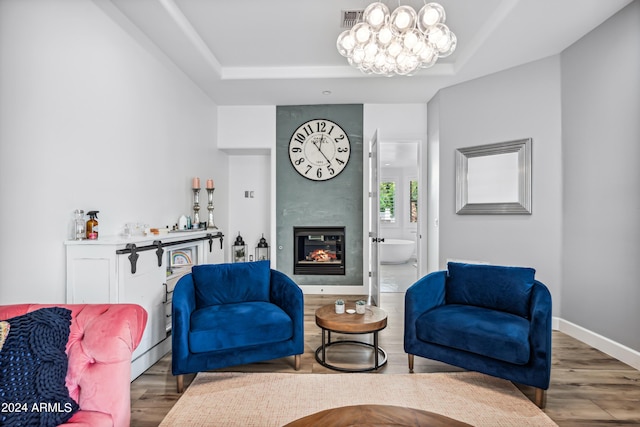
(375, 415)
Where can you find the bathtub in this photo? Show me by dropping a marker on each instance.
(396, 251)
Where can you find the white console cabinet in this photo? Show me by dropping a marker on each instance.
(141, 270)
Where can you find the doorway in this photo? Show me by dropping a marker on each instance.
(398, 215)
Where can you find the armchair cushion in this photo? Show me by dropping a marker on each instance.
(231, 283)
(490, 286)
(490, 333)
(33, 367)
(230, 326)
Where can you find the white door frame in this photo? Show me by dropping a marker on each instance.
(421, 234)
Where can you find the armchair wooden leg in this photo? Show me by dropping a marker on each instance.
(411, 357)
(541, 398)
(180, 383)
(297, 361)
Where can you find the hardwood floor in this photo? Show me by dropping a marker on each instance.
(588, 388)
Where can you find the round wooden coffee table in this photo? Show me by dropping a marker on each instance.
(373, 320)
(376, 415)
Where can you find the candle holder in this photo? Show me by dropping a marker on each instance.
(210, 223)
(196, 206)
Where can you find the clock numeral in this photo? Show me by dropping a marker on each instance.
(308, 130)
(296, 149)
(300, 138)
(340, 162)
(299, 161)
(342, 150)
(340, 138)
(331, 170)
(322, 127)
(319, 173)
(309, 167)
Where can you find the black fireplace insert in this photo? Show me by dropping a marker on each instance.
(319, 250)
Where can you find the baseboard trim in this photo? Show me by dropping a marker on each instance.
(614, 349)
(334, 290)
(150, 357)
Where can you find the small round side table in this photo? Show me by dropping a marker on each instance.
(372, 321)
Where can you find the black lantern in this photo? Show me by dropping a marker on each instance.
(239, 250)
(262, 250)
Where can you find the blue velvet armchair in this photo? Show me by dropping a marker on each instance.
(231, 314)
(485, 318)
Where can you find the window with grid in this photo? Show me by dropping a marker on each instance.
(388, 202)
(413, 201)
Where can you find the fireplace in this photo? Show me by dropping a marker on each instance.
(318, 250)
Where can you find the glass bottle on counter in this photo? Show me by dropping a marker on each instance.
(79, 225)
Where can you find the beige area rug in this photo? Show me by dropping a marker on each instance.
(275, 399)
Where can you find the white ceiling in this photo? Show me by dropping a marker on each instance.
(283, 52)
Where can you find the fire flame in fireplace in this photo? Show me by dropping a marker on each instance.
(321, 255)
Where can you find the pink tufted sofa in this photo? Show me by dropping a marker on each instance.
(101, 340)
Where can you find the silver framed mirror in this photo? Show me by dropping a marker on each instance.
(494, 178)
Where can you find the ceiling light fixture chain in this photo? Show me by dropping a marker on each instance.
(398, 42)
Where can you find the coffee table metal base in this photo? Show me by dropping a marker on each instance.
(380, 356)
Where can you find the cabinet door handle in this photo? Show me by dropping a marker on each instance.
(166, 293)
(219, 236)
(133, 258)
(159, 251)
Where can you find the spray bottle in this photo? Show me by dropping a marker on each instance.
(92, 225)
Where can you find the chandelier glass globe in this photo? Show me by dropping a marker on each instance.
(403, 18)
(431, 14)
(398, 42)
(376, 15)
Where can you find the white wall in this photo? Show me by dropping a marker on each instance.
(601, 150)
(395, 122)
(247, 128)
(248, 134)
(249, 216)
(431, 159)
(523, 102)
(89, 119)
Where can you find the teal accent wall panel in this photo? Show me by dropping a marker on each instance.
(335, 202)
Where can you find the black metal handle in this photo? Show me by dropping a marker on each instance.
(133, 258)
(159, 252)
(166, 293)
(132, 249)
(127, 249)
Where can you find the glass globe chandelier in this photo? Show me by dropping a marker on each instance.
(397, 43)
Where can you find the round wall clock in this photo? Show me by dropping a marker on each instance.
(319, 149)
